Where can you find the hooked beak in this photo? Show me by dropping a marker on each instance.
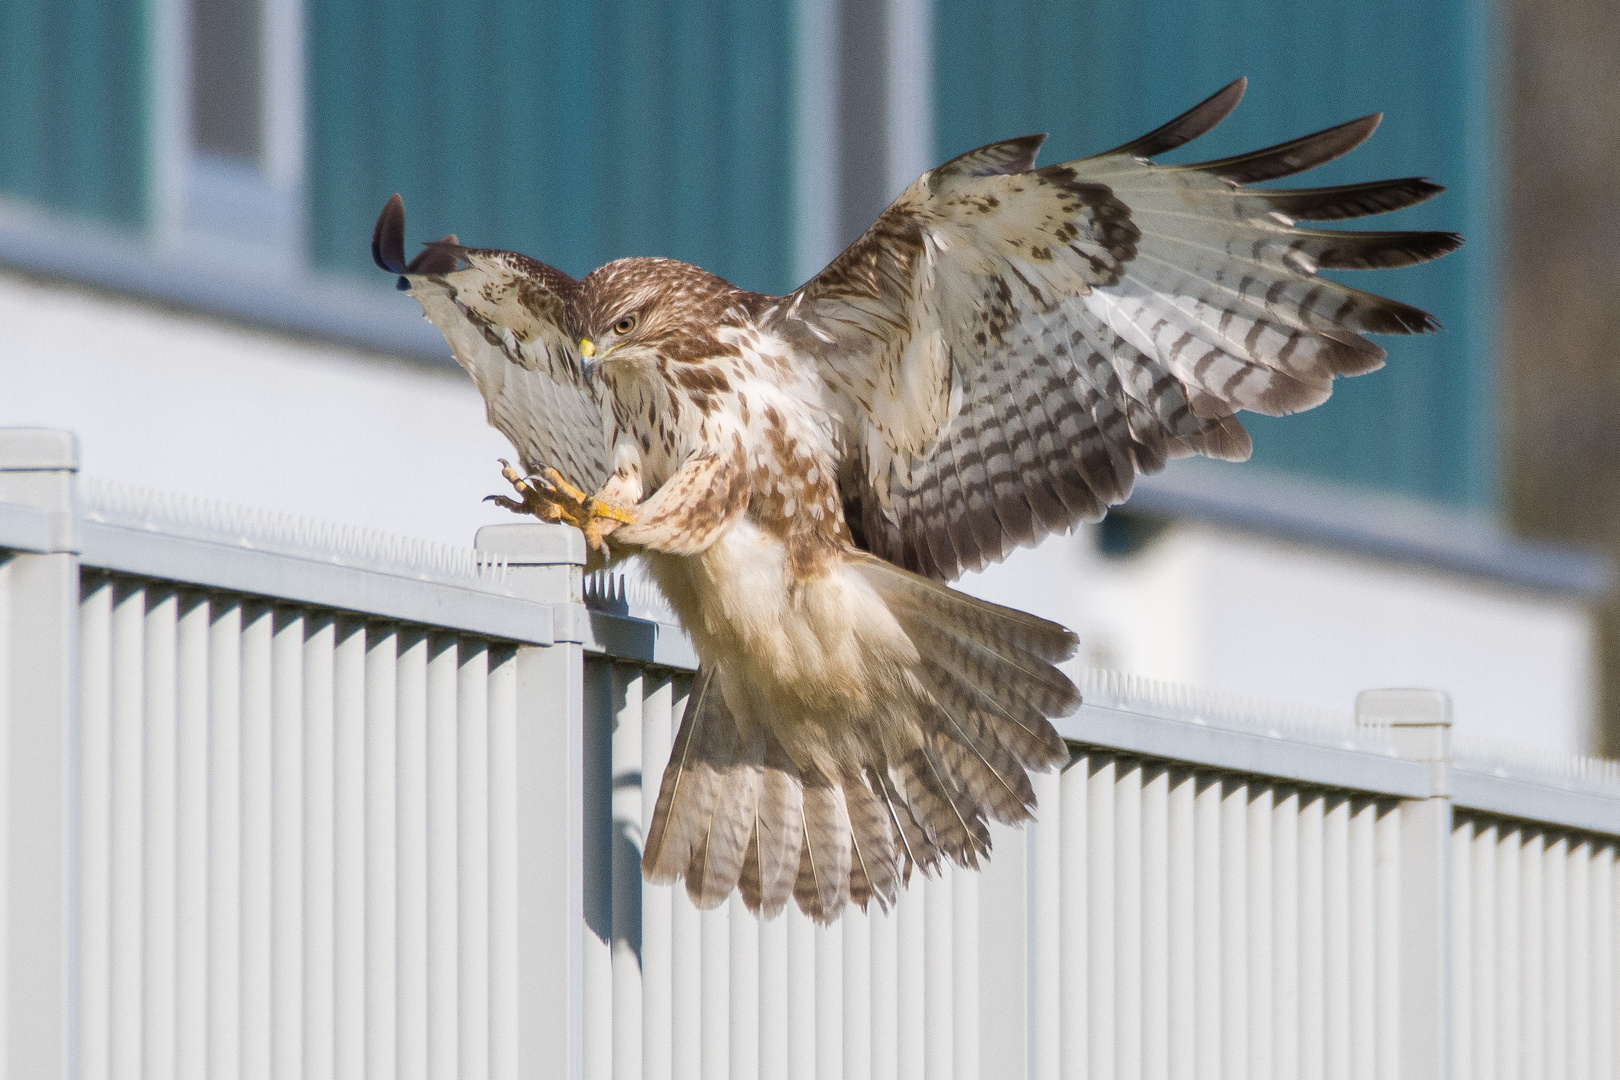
(587, 349)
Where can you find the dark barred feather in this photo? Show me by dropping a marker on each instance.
(912, 844)
(1025, 732)
(1196, 121)
(1294, 156)
(952, 822)
(1345, 200)
(981, 766)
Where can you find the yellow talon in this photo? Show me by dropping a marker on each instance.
(555, 499)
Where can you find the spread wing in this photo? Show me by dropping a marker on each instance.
(1018, 344)
(502, 314)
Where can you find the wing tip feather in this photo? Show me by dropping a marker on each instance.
(388, 238)
(1295, 155)
(1192, 124)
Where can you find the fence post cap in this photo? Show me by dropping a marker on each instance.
(1419, 723)
(37, 449)
(1404, 708)
(537, 544)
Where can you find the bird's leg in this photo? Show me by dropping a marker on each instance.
(549, 497)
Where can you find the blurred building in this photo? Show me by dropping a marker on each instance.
(1560, 377)
(187, 189)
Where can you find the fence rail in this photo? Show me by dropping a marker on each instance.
(289, 801)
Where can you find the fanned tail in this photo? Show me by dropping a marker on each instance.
(848, 815)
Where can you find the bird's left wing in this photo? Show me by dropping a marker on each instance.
(1016, 344)
(502, 314)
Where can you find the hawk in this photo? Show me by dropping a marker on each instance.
(997, 359)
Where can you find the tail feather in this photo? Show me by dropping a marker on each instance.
(953, 823)
(1020, 681)
(687, 795)
(872, 864)
(735, 763)
(1024, 731)
(968, 616)
(771, 864)
(823, 881)
(913, 843)
(981, 766)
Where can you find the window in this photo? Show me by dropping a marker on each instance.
(227, 73)
(242, 150)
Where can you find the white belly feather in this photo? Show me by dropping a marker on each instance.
(806, 659)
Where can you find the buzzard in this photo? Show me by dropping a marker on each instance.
(997, 359)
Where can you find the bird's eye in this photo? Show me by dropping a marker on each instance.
(625, 325)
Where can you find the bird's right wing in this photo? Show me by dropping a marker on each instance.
(502, 314)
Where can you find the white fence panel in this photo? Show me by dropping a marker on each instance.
(1195, 924)
(1533, 951)
(281, 802)
(288, 841)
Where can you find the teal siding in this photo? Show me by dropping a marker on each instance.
(574, 132)
(75, 106)
(1098, 73)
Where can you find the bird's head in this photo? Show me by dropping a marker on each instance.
(634, 312)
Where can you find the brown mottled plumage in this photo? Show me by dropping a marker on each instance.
(997, 359)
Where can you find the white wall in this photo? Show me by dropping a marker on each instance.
(173, 401)
(1247, 614)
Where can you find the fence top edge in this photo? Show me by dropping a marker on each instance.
(1345, 762)
(635, 611)
(1236, 712)
(234, 526)
(1493, 796)
(1493, 759)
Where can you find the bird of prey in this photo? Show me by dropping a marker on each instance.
(997, 359)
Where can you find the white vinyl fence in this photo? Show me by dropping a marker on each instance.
(286, 801)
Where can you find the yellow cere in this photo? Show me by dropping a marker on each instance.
(587, 348)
